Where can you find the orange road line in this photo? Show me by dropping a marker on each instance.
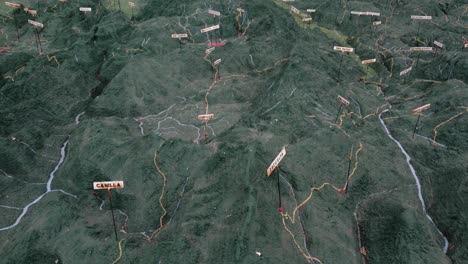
(271, 67)
(293, 218)
(377, 110)
(161, 225)
(234, 76)
(120, 252)
(123, 228)
(131, 50)
(245, 31)
(217, 79)
(53, 58)
(341, 120)
(445, 122)
(162, 191)
(238, 20)
(396, 117)
(309, 258)
(241, 34)
(205, 58)
(356, 114)
(359, 116)
(20, 69)
(356, 162)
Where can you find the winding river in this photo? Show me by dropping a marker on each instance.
(416, 178)
(48, 190)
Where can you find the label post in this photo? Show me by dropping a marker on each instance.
(418, 111)
(342, 101)
(109, 194)
(109, 186)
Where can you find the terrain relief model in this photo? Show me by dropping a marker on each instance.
(233, 131)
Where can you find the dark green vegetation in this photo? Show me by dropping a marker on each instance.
(278, 87)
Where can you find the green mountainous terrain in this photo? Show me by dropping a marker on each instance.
(109, 95)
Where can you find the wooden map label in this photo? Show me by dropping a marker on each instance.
(13, 5)
(421, 49)
(206, 117)
(310, 10)
(85, 9)
(108, 185)
(216, 62)
(214, 12)
(179, 36)
(343, 101)
(406, 71)
(343, 49)
(37, 24)
(421, 17)
(364, 13)
(208, 51)
(420, 109)
(368, 61)
(295, 10)
(31, 12)
(438, 44)
(357, 13)
(276, 162)
(373, 14)
(208, 29)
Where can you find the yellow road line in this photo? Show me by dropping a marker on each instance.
(307, 256)
(161, 224)
(293, 218)
(120, 252)
(341, 120)
(356, 162)
(163, 189)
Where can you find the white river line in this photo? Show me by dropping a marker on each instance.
(48, 190)
(52, 174)
(77, 118)
(416, 178)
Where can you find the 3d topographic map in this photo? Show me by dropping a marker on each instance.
(233, 131)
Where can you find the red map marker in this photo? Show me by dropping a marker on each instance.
(4, 49)
(217, 44)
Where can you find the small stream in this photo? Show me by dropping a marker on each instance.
(48, 190)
